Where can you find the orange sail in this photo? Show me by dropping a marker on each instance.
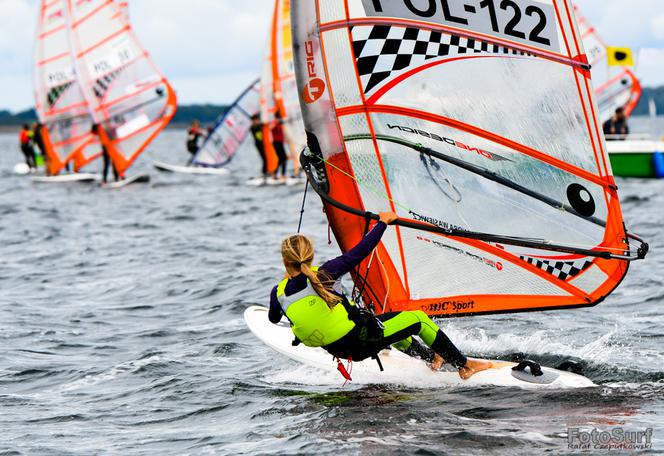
(59, 101)
(279, 93)
(128, 97)
(485, 142)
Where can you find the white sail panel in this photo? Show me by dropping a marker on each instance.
(615, 87)
(59, 101)
(286, 93)
(129, 97)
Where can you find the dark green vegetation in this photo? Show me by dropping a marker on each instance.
(206, 113)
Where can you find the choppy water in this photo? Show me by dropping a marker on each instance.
(121, 332)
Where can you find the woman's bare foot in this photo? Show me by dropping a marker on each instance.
(437, 362)
(472, 367)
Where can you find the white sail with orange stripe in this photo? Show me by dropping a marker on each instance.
(267, 103)
(128, 96)
(59, 101)
(615, 87)
(285, 86)
(279, 94)
(475, 121)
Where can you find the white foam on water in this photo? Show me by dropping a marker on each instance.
(109, 375)
(605, 349)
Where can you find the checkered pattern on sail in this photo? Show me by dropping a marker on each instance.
(54, 94)
(102, 84)
(382, 50)
(562, 269)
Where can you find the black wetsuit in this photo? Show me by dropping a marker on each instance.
(193, 137)
(27, 149)
(279, 148)
(39, 141)
(257, 133)
(107, 162)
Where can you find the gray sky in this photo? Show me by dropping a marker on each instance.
(211, 49)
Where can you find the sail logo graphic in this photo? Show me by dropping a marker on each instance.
(315, 88)
(452, 142)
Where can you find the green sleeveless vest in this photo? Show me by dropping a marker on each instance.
(312, 320)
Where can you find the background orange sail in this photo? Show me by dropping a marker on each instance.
(127, 95)
(615, 87)
(59, 100)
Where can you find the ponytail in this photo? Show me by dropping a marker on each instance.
(298, 254)
(330, 298)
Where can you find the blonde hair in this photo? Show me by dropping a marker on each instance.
(298, 253)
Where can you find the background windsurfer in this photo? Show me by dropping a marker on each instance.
(257, 134)
(38, 141)
(321, 316)
(279, 148)
(26, 137)
(106, 159)
(616, 128)
(194, 134)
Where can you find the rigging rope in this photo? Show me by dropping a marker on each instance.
(304, 202)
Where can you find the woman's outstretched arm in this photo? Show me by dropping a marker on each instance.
(345, 263)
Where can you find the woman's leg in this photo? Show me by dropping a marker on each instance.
(281, 155)
(402, 325)
(104, 172)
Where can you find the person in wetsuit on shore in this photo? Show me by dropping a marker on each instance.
(322, 317)
(257, 134)
(194, 134)
(616, 128)
(25, 139)
(279, 147)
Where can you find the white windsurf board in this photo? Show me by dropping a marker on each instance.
(137, 179)
(401, 368)
(200, 170)
(67, 178)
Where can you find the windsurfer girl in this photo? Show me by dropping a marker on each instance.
(320, 316)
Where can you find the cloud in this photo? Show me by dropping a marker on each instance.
(651, 67)
(212, 49)
(657, 27)
(638, 24)
(625, 23)
(209, 49)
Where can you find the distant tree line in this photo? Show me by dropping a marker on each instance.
(206, 113)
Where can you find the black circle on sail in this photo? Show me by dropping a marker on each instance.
(581, 200)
